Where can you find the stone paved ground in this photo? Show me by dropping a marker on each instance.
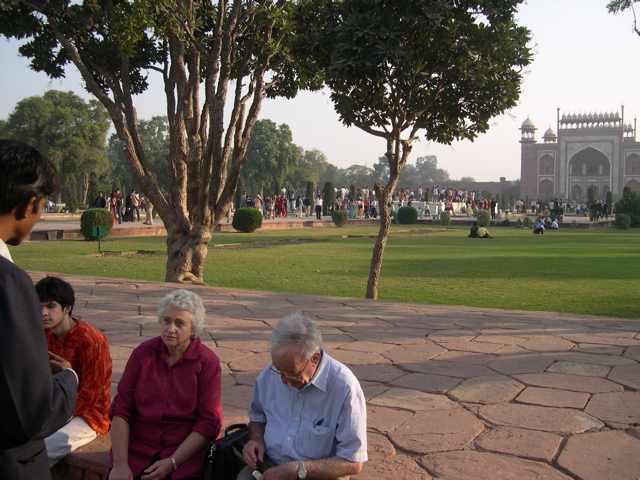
(453, 393)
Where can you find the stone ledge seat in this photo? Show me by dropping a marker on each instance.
(89, 462)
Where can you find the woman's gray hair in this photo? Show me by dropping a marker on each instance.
(296, 329)
(189, 302)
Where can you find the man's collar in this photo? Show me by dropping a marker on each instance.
(4, 251)
(319, 379)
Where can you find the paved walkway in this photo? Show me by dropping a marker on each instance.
(453, 393)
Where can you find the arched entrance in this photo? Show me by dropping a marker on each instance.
(589, 162)
(546, 187)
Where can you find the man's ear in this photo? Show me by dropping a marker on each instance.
(24, 209)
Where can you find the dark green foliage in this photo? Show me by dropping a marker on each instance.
(116, 184)
(609, 202)
(527, 222)
(407, 215)
(623, 221)
(484, 218)
(635, 220)
(239, 189)
(95, 217)
(247, 219)
(592, 193)
(503, 203)
(352, 192)
(92, 190)
(340, 218)
(328, 197)
(574, 225)
(445, 218)
(629, 204)
(518, 223)
(71, 194)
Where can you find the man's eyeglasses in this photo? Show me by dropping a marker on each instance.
(296, 375)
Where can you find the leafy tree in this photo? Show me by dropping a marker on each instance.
(396, 69)
(427, 168)
(271, 155)
(66, 129)
(311, 165)
(328, 198)
(235, 50)
(92, 191)
(358, 175)
(617, 6)
(629, 204)
(332, 174)
(70, 191)
(381, 171)
(468, 179)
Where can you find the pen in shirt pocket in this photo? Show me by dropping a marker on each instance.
(318, 423)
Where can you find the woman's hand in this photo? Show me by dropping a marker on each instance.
(159, 470)
(121, 472)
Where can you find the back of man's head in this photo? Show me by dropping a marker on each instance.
(54, 289)
(26, 173)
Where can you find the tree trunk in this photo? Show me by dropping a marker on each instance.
(187, 250)
(381, 242)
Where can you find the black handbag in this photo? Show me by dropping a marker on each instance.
(224, 456)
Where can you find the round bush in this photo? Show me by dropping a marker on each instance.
(623, 221)
(445, 218)
(484, 218)
(247, 219)
(340, 217)
(95, 217)
(527, 222)
(518, 223)
(407, 215)
(574, 224)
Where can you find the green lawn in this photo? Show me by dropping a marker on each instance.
(574, 271)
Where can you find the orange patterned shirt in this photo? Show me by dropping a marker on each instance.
(88, 352)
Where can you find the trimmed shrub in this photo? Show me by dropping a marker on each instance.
(635, 220)
(527, 222)
(574, 224)
(518, 223)
(484, 218)
(623, 221)
(445, 218)
(340, 218)
(95, 217)
(407, 215)
(247, 219)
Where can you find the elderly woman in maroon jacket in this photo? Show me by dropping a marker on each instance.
(168, 402)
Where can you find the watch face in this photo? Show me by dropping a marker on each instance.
(302, 472)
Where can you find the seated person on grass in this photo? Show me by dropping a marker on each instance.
(473, 231)
(483, 233)
(87, 350)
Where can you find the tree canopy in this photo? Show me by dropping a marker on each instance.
(618, 6)
(65, 128)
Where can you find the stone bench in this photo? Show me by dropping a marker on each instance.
(89, 462)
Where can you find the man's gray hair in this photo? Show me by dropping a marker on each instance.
(189, 302)
(297, 329)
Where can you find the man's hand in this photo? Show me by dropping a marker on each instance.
(253, 453)
(57, 363)
(284, 471)
(159, 470)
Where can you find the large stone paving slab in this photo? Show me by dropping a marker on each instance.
(511, 394)
(613, 455)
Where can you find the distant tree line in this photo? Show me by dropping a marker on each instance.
(74, 133)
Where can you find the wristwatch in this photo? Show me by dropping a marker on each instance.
(302, 472)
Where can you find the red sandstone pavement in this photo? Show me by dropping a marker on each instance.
(453, 393)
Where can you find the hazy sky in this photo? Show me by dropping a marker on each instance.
(585, 61)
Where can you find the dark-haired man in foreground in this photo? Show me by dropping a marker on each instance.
(37, 389)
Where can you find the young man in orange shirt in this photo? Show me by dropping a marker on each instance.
(88, 352)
